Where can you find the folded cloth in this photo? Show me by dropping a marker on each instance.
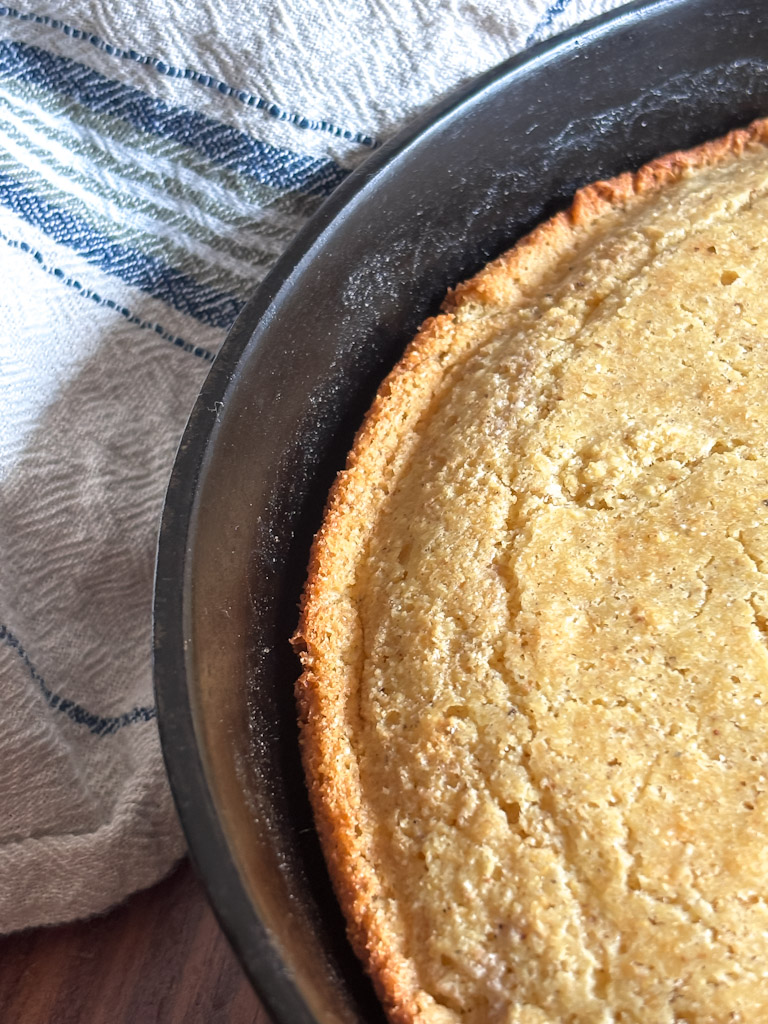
(155, 158)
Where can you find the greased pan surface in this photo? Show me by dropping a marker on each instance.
(279, 409)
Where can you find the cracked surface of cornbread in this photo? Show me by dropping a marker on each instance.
(535, 693)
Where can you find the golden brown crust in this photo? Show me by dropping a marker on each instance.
(323, 691)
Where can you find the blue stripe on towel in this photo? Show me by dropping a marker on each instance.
(99, 725)
(218, 309)
(200, 77)
(228, 146)
(88, 293)
(546, 19)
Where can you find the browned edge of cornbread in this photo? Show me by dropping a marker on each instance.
(325, 691)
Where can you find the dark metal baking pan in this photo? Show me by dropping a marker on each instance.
(283, 399)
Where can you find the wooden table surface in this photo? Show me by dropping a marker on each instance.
(159, 959)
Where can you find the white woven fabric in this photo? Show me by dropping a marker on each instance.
(155, 158)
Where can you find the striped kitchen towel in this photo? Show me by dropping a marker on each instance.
(155, 158)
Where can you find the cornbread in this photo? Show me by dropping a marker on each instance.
(535, 688)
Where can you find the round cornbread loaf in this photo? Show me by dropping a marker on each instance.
(534, 706)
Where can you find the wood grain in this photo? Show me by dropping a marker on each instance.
(159, 959)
